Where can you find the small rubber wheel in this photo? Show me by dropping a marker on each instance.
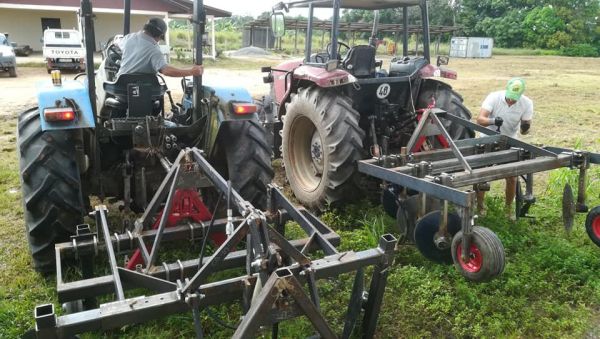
(425, 231)
(592, 225)
(486, 259)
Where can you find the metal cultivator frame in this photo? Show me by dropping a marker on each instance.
(472, 163)
(278, 271)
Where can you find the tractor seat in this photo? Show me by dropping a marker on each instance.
(360, 61)
(406, 66)
(137, 93)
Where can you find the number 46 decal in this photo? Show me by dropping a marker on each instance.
(383, 91)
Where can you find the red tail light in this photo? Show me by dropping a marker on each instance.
(59, 114)
(244, 108)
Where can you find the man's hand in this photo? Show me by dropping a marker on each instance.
(525, 126)
(197, 70)
(498, 121)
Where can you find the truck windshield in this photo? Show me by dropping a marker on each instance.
(3, 40)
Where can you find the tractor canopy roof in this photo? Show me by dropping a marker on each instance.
(355, 4)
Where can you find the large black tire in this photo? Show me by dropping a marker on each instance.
(248, 159)
(12, 72)
(450, 101)
(321, 143)
(51, 187)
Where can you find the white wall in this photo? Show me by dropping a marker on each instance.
(25, 26)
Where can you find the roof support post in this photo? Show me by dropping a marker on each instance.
(405, 31)
(309, 31)
(426, 38)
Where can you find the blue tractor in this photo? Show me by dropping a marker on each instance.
(112, 138)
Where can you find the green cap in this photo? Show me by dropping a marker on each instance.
(515, 88)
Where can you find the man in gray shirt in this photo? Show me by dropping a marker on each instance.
(141, 53)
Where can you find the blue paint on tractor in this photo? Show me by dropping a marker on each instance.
(48, 95)
(232, 94)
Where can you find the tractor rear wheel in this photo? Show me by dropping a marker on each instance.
(248, 159)
(321, 143)
(450, 101)
(51, 186)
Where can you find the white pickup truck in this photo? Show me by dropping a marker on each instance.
(63, 49)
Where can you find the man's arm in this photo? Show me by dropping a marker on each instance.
(171, 71)
(484, 119)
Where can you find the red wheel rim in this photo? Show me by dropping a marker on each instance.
(473, 265)
(596, 227)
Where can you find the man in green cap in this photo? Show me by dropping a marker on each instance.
(509, 110)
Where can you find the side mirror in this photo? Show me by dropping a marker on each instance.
(442, 60)
(42, 40)
(278, 24)
(13, 44)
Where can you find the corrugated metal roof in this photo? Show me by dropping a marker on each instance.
(356, 4)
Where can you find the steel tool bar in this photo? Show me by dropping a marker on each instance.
(453, 147)
(101, 221)
(486, 140)
(594, 157)
(510, 141)
(139, 309)
(467, 123)
(511, 170)
(103, 285)
(476, 161)
(126, 241)
(422, 185)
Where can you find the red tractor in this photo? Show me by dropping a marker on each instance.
(331, 109)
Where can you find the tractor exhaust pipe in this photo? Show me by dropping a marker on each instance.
(199, 21)
(86, 15)
(373, 38)
(126, 17)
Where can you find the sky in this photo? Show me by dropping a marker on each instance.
(256, 7)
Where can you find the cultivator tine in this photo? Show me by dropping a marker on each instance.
(387, 244)
(281, 283)
(355, 303)
(102, 222)
(568, 208)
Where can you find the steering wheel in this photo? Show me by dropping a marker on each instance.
(339, 49)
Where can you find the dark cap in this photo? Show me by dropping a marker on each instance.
(156, 27)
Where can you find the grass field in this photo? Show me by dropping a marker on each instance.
(551, 285)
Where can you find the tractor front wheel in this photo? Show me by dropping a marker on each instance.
(592, 225)
(322, 142)
(51, 186)
(12, 72)
(485, 259)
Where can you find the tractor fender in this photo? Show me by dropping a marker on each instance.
(221, 100)
(70, 93)
(308, 75)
